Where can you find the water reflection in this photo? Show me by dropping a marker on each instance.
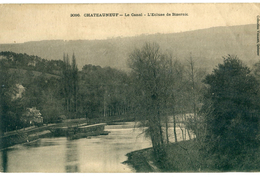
(4, 161)
(103, 153)
(71, 157)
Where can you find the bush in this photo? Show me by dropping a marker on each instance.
(231, 110)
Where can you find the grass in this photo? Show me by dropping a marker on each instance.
(186, 156)
(180, 157)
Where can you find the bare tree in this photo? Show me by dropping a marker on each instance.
(195, 86)
(152, 72)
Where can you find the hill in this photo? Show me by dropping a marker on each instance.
(207, 46)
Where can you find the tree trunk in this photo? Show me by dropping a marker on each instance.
(189, 134)
(174, 128)
(182, 133)
(193, 94)
(67, 103)
(166, 124)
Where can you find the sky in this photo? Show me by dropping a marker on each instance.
(27, 22)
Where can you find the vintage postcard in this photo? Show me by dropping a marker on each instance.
(126, 88)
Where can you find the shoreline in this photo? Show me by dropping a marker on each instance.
(139, 160)
(181, 157)
(187, 157)
(33, 133)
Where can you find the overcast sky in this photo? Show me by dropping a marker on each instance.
(22, 23)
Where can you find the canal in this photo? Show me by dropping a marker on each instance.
(104, 153)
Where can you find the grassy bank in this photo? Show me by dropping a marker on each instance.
(186, 156)
(180, 157)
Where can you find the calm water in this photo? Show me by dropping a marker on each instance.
(103, 153)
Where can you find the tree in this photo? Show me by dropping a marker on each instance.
(66, 80)
(70, 84)
(179, 90)
(195, 89)
(11, 101)
(75, 84)
(231, 111)
(103, 92)
(152, 73)
(51, 107)
(33, 116)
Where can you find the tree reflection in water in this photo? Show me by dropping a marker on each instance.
(4, 160)
(71, 157)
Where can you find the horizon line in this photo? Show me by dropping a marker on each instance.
(111, 38)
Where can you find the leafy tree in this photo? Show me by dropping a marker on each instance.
(11, 107)
(103, 92)
(231, 109)
(70, 84)
(32, 116)
(75, 83)
(51, 107)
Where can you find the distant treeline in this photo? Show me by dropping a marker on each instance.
(91, 93)
(58, 89)
(30, 62)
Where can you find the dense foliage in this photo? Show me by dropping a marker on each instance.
(93, 92)
(231, 110)
(30, 62)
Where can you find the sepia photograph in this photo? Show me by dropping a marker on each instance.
(130, 88)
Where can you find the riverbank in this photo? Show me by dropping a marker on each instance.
(180, 157)
(24, 136)
(186, 156)
(32, 133)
